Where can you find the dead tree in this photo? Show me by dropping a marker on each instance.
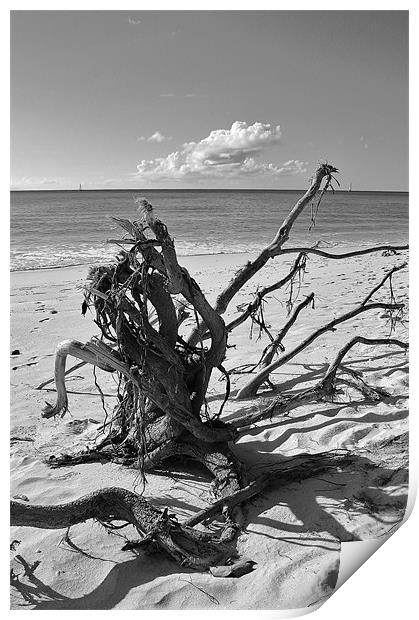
(163, 379)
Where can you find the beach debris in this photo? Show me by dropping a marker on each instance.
(15, 543)
(390, 252)
(23, 498)
(15, 352)
(237, 569)
(210, 596)
(15, 439)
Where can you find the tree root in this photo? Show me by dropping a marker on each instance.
(187, 546)
(227, 471)
(162, 531)
(175, 402)
(92, 352)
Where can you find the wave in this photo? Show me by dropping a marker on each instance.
(52, 258)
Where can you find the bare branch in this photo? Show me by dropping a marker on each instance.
(318, 252)
(324, 388)
(292, 469)
(380, 284)
(251, 388)
(331, 371)
(299, 264)
(272, 348)
(273, 249)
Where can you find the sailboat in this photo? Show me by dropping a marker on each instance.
(350, 187)
(80, 188)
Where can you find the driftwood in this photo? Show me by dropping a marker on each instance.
(161, 531)
(250, 389)
(139, 303)
(184, 544)
(324, 171)
(326, 387)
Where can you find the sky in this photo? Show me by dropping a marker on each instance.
(231, 99)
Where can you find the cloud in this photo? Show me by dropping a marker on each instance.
(364, 143)
(155, 137)
(134, 21)
(224, 153)
(31, 182)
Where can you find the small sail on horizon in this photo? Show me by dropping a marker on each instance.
(80, 188)
(350, 187)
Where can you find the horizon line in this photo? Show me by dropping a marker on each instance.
(210, 189)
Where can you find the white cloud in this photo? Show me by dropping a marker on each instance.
(224, 153)
(34, 182)
(134, 21)
(363, 141)
(155, 137)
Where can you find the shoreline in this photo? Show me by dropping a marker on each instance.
(51, 275)
(321, 244)
(87, 264)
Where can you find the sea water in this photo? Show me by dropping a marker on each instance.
(60, 228)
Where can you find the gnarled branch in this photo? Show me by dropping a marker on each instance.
(322, 253)
(324, 171)
(325, 387)
(251, 388)
(185, 545)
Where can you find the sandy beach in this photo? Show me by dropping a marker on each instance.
(293, 533)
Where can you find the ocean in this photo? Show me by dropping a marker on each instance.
(62, 228)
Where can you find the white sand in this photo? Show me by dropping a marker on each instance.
(293, 532)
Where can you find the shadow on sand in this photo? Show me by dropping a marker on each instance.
(330, 501)
(359, 488)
